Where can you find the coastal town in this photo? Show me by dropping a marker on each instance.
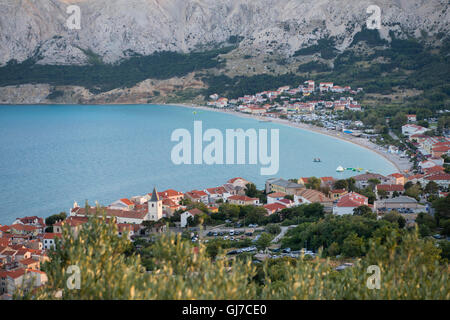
(422, 177)
(25, 244)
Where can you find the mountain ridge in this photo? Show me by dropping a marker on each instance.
(118, 29)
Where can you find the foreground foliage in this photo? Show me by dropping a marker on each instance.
(411, 268)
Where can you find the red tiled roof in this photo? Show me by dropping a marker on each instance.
(390, 187)
(352, 199)
(338, 191)
(286, 201)
(218, 190)
(276, 195)
(51, 235)
(195, 211)
(15, 273)
(396, 175)
(416, 176)
(242, 198)
(273, 207)
(170, 193)
(439, 176)
(28, 261)
(132, 214)
(23, 227)
(434, 169)
(126, 201)
(169, 203)
(127, 227)
(196, 194)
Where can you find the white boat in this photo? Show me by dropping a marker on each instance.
(340, 169)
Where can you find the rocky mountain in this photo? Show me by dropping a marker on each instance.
(37, 48)
(117, 29)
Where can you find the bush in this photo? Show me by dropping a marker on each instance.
(410, 269)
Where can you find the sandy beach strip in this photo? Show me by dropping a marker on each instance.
(400, 164)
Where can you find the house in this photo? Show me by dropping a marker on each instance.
(434, 170)
(49, 240)
(442, 179)
(337, 193)
(274, 197)
(325, 86)
(426, 164)
(281, 185)
(122, 204)
(243, 200)
(303, 180)
(286, 202)
(122, 216)
(400, 204)
(347, 203)
(130, 229)
(218, 193)
(339, 107)
(21, 278)
(327, 182)
(74, 222)
(175, 196)
(397, 178)
(239, 182)
(413, 129)
(25, 230)
(274, 207)
(438, 151)
(354, 107)
(197, 196)
(189, 214)
(305, 196)
(169, 207)
(411, 118)
(362, 180)
(389, 189)
(30, 263)
(31, 221)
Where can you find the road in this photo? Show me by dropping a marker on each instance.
(281, 234)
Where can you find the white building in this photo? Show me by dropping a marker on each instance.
(155, 210)
(188, 214)
(348, 203)
(410, 129)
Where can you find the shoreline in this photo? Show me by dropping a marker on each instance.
(400, 164)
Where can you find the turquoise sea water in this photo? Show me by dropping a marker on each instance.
(53, 155)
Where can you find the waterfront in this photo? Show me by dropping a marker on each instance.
(53, 155)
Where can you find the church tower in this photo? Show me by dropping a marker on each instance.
(155, 210)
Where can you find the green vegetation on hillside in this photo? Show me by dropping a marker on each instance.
(324, 46)
(99, 76)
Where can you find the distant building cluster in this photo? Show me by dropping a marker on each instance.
(266, 102)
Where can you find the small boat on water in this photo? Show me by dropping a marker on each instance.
(317, 160)
(340, 169)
